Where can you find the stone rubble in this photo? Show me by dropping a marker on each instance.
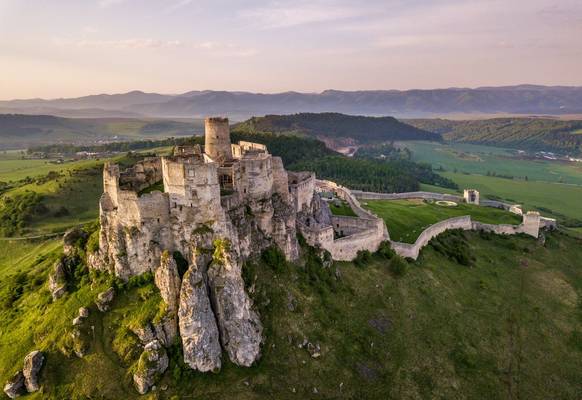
(104, 299)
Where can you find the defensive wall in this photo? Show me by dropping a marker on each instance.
(364, 232)
(530, 226)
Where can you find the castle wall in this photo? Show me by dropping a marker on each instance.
(412, 250)
(403, 196)
(301, 187)
(256, 176)
(280, 179)
(346, 226)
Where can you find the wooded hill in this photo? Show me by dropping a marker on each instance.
(338, 126)
(524, 133)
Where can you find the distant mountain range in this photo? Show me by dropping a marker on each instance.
(522, 99)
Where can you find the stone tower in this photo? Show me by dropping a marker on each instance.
(217, 139)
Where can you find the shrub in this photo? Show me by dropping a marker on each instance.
(274, 258)
(93, 242)
(363, 258)
(385, 250)
(398, 266)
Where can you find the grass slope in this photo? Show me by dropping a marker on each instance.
(406, 219)
(510, 326)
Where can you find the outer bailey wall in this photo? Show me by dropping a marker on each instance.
(409, 195)
(412, 250)
(352, 225)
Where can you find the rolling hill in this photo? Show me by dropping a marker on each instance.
(334, 126)
(20, 131)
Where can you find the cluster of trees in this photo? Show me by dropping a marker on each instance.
(535, 134)
(384, 151)
(17, 210)
(334, 125)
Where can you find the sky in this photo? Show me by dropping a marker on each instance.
(68, 48)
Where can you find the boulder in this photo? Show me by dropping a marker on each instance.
(77, 321)
(145, 333)
(32, 365)
(104, 299)
(198, 330)
(83, 312)
(15, 385)
(58, 280)
(151, 364)
(240, 327)
(80, 341)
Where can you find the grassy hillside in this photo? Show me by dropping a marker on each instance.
(523, 133)
(338, 126)
(21, 131)
(503, 328)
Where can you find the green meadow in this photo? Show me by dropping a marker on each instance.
(406, 219)
(478, 159)
(551, 198)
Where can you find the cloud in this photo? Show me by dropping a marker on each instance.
(119, 44)
(211, 48)
(277, 15)
(108, 3)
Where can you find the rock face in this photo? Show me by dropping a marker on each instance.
(168, 281)
(32, 365)
(198, 328)
(240, 327)
(57, 281)
(104, 299)
(15, 385)
(71, 238)
(152, 363)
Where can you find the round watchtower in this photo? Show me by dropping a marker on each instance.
(217, 139)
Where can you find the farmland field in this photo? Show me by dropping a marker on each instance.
(406, 219)
(560, 199)
(477, 159)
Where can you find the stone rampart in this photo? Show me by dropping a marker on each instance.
(412, 250)
(301, 186)
(403, 196)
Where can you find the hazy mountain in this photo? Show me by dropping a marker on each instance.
(523, 99)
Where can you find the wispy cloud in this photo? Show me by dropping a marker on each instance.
(277, 15)
(120, 44)
(108, 3)
(213, 48)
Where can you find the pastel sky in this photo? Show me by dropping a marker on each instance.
(64, 48)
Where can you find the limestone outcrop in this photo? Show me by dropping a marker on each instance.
(15, 386)
(198, 328)
(32, 364)
(57, 281)
(152, 363)
(240, 327)
(104, 299)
